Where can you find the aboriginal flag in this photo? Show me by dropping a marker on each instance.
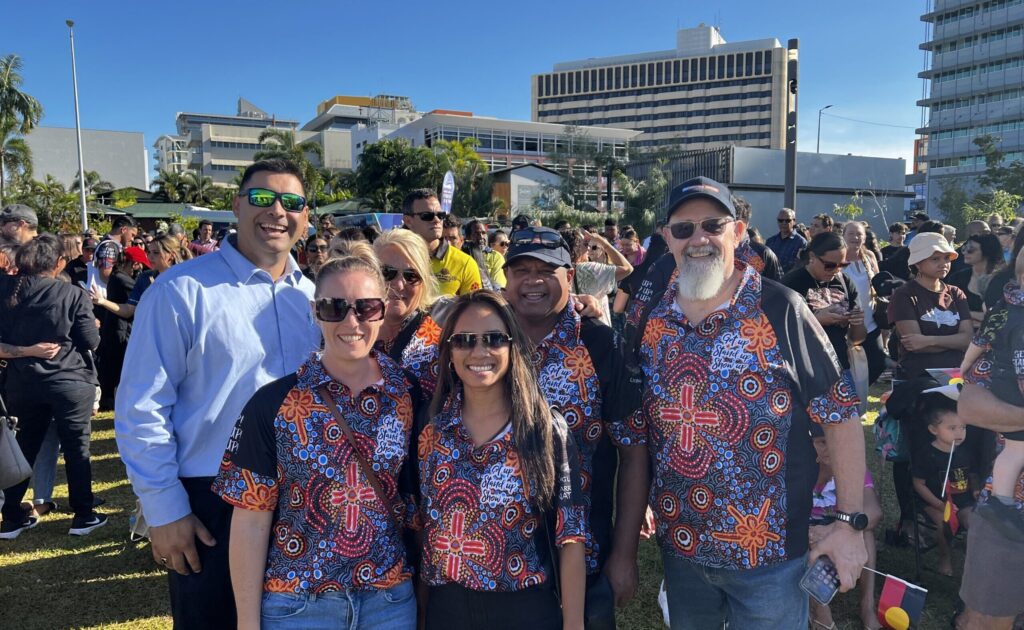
(949, 512)
(901, 604)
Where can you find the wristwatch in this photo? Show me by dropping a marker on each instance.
(856, 520)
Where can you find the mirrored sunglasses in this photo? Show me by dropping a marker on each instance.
(264, 198)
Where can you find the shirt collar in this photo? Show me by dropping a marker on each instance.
(566, 329)
(442, 250)
(243, 267)
(312, 374)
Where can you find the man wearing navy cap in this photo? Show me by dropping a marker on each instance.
(733, 370)
(577, 363)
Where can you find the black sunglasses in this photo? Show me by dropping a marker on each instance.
(430, 216)
(831, 266)
(318, 248)
(468, 341)
(264, 198)
(409, 275)
(685, 229)
(784, 220)
(336, 309)
(535, 236)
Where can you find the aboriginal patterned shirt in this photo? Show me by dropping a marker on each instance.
(288, 454)
(574, 367)
(415, 348)
(725, 411)
(480, 529)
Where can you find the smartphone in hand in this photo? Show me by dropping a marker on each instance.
(821, 580)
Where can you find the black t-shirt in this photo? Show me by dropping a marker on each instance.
(994, 292)
(78, 271)
(895, 261)
(889, 250)
(822, 295)
(962, 280)
(115, 330)
(930, 465)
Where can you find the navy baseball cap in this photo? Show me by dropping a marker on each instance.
(700, 187)
(542, 243)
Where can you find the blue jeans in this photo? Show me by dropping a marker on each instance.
(768, 598)
(44, 471)
(383, 609)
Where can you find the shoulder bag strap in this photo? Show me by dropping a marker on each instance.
(328, 400)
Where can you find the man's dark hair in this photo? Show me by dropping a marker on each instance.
(743, 209)
(205, 222)
(931, 226)
(898, 227)
(562, 224)
(610, 222)
(352, 233)
(576, 241)
(520, 222)
(121, 222)
(414, 196)
(450, 222)
(273, 165)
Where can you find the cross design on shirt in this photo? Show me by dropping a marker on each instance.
(352, 496)
(455, 544)
(688, 416)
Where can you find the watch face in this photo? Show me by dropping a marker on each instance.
(859, 521)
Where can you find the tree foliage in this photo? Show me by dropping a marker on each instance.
(19, 114)
(644, 199)
(389, 169)
(94, 184)
(581, 161)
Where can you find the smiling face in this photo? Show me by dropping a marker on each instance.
(536, 290)
(403, 297)
(854, 235)
(349, 339)
(266, 235)
(704, 260)
(480, 367)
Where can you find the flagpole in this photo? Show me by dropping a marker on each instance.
(949, 464)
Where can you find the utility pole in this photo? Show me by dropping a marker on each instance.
(78, 129)
(792, 67)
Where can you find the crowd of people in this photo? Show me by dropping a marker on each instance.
(454, 425)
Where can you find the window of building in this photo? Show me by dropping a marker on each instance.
(758, 63)
(767, 62)
(748, 62)
(500, 140)
(703, 68)
(659, 73)
(684, 68)
(712, 67)
(693, 69)
(634, 76)
(730, 65)
(618, 78)
(600, 78)
(561, 83)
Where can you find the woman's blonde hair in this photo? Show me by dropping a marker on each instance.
(171, 245)
(415, 249)
(351, 262)
(72, 244)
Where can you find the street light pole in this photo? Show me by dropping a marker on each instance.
(78, 129)
(818, 149)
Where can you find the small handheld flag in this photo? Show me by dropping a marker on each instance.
(901, 604)
(949, 512)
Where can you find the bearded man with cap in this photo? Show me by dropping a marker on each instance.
(733, 371)
(578, 366)
(18, 222)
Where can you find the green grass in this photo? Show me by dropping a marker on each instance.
(51, 580)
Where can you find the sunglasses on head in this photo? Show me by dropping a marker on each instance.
(264, 198)
(430, 216)
(408, 275)
(685, 229)
(468, 341)
(336, 309)
(533, 236)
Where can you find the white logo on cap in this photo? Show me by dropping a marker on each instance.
(703, 187)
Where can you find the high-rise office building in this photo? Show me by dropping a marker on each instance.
(704, 93)
(975, 87)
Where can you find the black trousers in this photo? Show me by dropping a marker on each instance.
(875, 355)
(69, 405)
(205, 600)
(454, 607)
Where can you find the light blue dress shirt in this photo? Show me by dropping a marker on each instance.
(208, 333)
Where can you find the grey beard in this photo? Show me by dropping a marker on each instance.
(701, 280)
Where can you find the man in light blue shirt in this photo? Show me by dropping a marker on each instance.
(208, 333)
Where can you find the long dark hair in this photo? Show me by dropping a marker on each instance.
(35, 258)
(531, 415)
(821, 244)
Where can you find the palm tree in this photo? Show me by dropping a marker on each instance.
(15, 156)
(93, 184)
(198, 189)
(282, 143)
(169, 186)
(19, 113)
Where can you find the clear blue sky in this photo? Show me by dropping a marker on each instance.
(139, 63)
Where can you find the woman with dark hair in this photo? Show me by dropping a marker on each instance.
(313, 472)
(994, 292)
(983, 256)
(499, 484)
(35, 308)
(831, 297)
